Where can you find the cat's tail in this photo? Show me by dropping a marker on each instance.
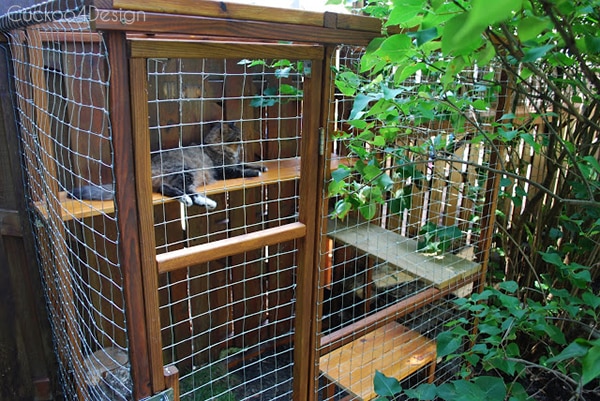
(93, 192)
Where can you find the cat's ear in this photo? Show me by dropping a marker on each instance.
(231, 125)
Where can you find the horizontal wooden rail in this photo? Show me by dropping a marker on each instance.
(378, 319)
(181, 258)
(221, 27)
(153, 47)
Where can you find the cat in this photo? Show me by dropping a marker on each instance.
(178, 172)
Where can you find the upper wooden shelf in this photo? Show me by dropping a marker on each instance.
(439, 270)
(278, 171)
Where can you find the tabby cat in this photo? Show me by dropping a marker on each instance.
(178, 172)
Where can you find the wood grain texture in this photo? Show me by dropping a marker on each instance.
(155, 47)
(224, 9)
(209, 26)
(440, 270)
(141, 147)
(393, 349)
(305, 337)
(127, 218)
(194, 255)
(278, 171)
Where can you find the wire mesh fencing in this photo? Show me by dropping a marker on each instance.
(390, 271)
(225, 139)
(61, 80)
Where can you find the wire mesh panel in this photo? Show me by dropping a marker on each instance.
(61, 79)
(390, 270)
(232, 128)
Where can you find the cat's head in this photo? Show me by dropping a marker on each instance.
(223, 133)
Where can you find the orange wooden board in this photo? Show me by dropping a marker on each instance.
(393, 349)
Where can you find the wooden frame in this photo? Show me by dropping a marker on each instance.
(208, 29)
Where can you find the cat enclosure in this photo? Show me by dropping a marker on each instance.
(267, 295)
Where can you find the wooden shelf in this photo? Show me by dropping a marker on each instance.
(278, 171)
(393, 349)
(439, 270)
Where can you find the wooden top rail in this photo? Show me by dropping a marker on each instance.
(439, 270)
(160, 23)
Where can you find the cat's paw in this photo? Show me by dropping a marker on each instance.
(186, 200)
(251, 173)
(202, 200)
(210, 204)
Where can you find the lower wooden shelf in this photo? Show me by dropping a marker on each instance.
(440, 270)
(393, 349)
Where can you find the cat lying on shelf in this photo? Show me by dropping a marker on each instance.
(178, 172)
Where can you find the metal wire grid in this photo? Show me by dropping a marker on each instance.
(233, 333)
(61, 81)
(434, 190)
(187, 98)
(227, 324)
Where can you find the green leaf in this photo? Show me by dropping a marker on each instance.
(484, 13)
(509, 286)
(368, 211)
(403, 13)
(450, 43)
(552, 258)
(590, 365)
(341, 173)
(341, 209)
(394, 48)
(360, 103)
(423, 392)
(574, 350)
(425, 35)
(447, 343)
(493, 387)
(536, 53)
(386, 386)
(530, 27)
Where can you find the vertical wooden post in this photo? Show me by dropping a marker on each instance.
(143, 186)
(127, 214)
(305, 335)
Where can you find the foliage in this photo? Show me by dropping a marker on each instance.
(284, 92)
(548, 222)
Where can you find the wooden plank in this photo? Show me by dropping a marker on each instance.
(440, 270)
(280, 170)
(225, 10)
(304, 370)
(193, 25)
(393, 349)
(128, 225)
(141, 148)
(231, 246)
(154, 47)
(358, 22)
(10, 223)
